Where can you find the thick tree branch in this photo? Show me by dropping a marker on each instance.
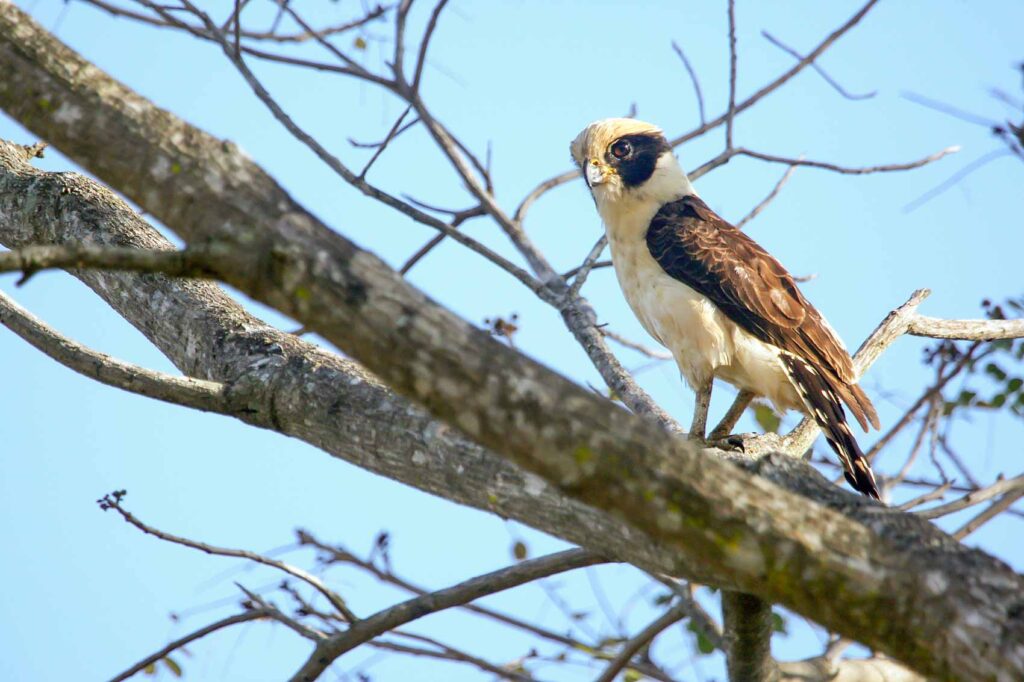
(747, 622)
(824, 669)
(278, 382)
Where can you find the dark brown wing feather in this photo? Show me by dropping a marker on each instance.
(697, 247)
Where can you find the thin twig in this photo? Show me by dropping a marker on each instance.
(421, 58)
(817, 67)
(847, 170)
(388, 619)
(392, 133)
(369, 190)
(936, 493)
(244, 617)
(374, 145)
(924, 398)
(693, 80)
(730, 114)
(335, 553)
(754, 212)
(633, 345)
(588, 264)
(1006, 486)
(569, 274)
(458, 217)
(990, 512)
(267, 36)
(700, 619)
(642, 638)
(113, 502)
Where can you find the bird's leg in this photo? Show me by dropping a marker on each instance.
(700, 409)
(739, 406)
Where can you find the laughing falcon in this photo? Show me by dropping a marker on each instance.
(720, 303)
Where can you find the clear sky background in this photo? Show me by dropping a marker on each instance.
(85, 595)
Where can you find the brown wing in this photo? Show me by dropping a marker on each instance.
(697, 247)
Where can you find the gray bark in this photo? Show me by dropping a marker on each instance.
(747, 622)
(877, 576)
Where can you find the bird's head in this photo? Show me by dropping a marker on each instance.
(626, 161)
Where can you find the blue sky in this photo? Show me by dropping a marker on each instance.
(87, 595)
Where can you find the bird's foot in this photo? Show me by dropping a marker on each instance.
(751, 444)
(732, 441)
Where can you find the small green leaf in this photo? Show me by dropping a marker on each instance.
(778, 623)
(704, 644)
(631, 676)
(766, 418)
(994, 370)
(359, 43)
(519, 550)
(173, 666)
(150, 669)
(662, 599)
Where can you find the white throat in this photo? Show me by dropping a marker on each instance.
(628, 212)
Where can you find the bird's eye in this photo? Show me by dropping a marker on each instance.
(622, 149)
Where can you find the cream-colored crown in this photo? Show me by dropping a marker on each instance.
(595, 138)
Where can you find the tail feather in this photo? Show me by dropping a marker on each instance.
(823, 400)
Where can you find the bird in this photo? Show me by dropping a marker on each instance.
(719, 302)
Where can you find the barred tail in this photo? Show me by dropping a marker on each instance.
(823, 404)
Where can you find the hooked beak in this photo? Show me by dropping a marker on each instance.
(593, 174)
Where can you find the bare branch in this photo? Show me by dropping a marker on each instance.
(244, 617)
(341, 169)
(700, 619)
(823, 669)
(923, 399)
(990, 512)
(421, 59)
(829, 40)
(270, 36)
(846, 170)
(638, 347)
(693, 80)
(588, 264)
(114, 502)
(383, 621)
(208, 396)
(458, 217)
(447, 653)
(730, 113)
(640, 640)
(569, 274)
(334, 553)
(1007, 487)
(814, 65)
(756, 211)
(966, 330)
(387, 139)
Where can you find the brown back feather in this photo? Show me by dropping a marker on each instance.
(696, 246)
